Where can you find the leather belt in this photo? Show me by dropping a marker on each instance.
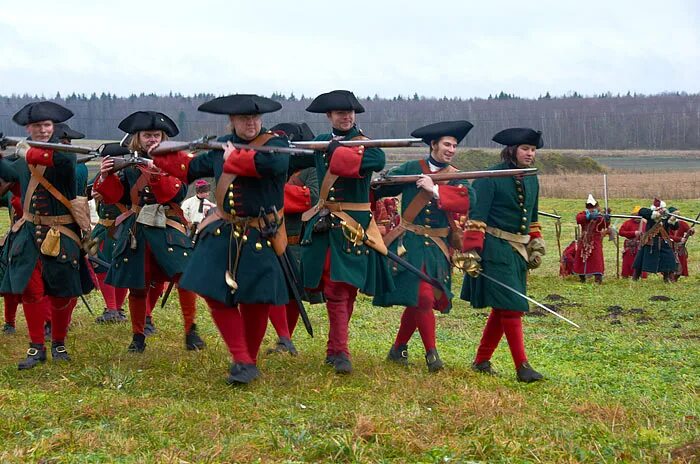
(40, 220)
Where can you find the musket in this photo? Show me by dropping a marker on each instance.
(18, 142)
(205, 143)
(557, 230)
(550, 215)
(318, 145)
(388, 179)
(683, 218)
(531, 300)
(605, 192)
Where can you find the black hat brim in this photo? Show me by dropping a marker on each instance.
(64, 131)
(519, 136)
(241, 104)
(149, 121)
(456, 129)
(42, 111)
(336, 100)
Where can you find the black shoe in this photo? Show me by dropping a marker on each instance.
(110, 317)
(149, 328)
(283, 345)
(47, 331)
(330, 359)
(8, 329)
(59, 352)
(192, 340)
(398, 354)
(484, 367)
(432, 359)
(342, 364)
(138, 344)
(582, 278)
(35, 354)
(242, 374)
(121, 316)
(527, 374)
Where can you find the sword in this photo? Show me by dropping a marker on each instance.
(531, 300)
(86, 305)
(290, 277)
(605, 192)
(99, 261)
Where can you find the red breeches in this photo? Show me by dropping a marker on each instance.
(500, 322)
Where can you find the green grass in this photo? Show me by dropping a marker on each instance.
(621, 389)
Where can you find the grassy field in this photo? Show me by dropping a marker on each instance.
(623, 388)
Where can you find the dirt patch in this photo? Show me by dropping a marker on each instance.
(554, 297)
(659, 298)
(690, 336)
(644, 320)
(676, 326)
(690, 452)
(637, 310)
(615, 310)
(616, 322)
(535, 313)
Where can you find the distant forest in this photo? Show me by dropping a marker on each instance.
(606, 121)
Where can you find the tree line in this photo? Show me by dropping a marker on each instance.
(605, 121)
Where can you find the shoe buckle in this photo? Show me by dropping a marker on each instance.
(32, 351)
(60, 349)
(404, 353)
(431, 357)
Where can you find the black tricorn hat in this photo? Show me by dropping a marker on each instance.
(456, 129)
(519, 136)
(113, 149)
(149, 121)
(335, 100)
(41, 111)
(295, 132)
(63, 131)
(240, 103)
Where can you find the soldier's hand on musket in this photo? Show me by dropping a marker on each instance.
(332, 146)
(426, 183)
(96, 195)
(106, 166)
(230, 149)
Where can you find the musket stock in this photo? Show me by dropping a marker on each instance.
(14, 141)
(388, 179)
(367, 143)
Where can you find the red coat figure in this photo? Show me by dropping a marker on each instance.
(566, 265)
(679, 237)
(631, 229)
(589, 253)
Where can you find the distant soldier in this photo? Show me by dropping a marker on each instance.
(680, 237)
(423, 238)
(589, 252)
(656, 254)
(332, 262)
(300, 193)
(42, 255)
(151, 236)
(568, 257)
(631, 229)
(196, 207)
(10, 200)
(503, 229)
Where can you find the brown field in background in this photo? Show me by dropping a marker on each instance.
(666, 185)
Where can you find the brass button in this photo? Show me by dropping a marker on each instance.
(38, 240)
(268, 243)
(358, 252)
(177, 185)
(230, 186)
(233, 212)
(126, 260)
(524, 210)
(231, 203)
(332, 189)
(182, 166)
(170, 249)
(244, 238)
(426, 243)
(348, 250)
(258, 246)
(184, 253)
(331, 198)
(524, 219)
(522, 227)
(230, 194)
(520, 197)
(235, 233)
(427, 211)
(38, 232)
(217, 232)
(63, 256)
(146, 189)
(366, 252)
(517, 182)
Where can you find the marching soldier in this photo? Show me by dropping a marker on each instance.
(504, 231)
(680, 237)
(656, 253)
(103, 237)
(300, 193)
(151, 240)
(43, 256)
(335, 259)
(423, 238)
(240, 243)
(631, 229)
(589, 252)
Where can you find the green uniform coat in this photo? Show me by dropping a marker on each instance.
(498, 204)
(422, 252)
(657, 255)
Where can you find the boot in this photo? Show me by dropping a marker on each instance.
(149, 328)
(342, 364)
(398, 354)
(9, 329)
(138, 344)
(330, 360)
(484, 367)
(582, 279)
(121, 316)
(527, 374)
(192, 340)
(284, 345)
(108, 316)
(58, 352)
(35, 354)
(432, 359)
(598, 279)
(242, 374)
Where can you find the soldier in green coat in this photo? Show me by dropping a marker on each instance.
(331, 259)
(504, 231)
(423, 238)
(42, 255)
(151, 244)
(235, 266)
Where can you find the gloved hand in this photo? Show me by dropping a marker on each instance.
(470, 263)
(535, 250)
(691, 232)
(672, 219)
(656, 214)
(590, 215)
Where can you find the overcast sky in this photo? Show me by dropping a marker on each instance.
(435, 48)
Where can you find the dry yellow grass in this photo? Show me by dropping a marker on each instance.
(667, 185)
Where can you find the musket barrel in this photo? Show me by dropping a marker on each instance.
(459, 175)
(169, 147)
(683, 218)
(368, 143)
(55, 146)
(544, 213)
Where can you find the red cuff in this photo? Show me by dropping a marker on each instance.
(110, 188)
(176, 164)
(242, 163)
(297, 199)
(165, 188)
(473, 240)
(40, 156)
(453, 198)
(16, 205)
(346, 162)
(535, 230)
